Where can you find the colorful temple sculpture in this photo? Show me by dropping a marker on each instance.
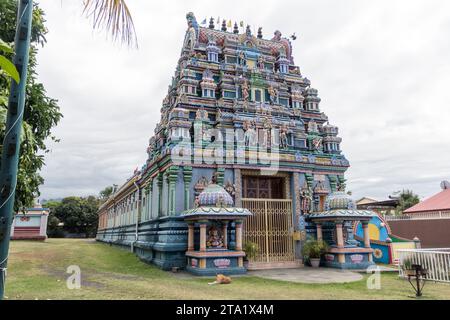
(335, 226)
(240, 112)
(382, 241)
(30, 224)
(212, 250)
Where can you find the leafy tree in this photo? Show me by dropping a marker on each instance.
(106, 193)
(79, 215)
(407, 199)
(41, 112)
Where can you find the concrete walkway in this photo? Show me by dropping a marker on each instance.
(309, 275)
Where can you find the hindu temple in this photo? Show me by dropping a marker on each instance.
(239, 117)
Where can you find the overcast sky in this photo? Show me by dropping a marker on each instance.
(382, 69)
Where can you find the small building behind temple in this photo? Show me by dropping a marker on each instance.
(436, 205)
(30, 224)
(383, 207)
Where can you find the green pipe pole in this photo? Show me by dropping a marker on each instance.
(11, 143)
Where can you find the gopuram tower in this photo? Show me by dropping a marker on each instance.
(241, 113)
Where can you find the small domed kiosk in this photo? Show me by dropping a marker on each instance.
(215, 234)
(335, 226)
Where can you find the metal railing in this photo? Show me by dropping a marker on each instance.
(435, 261)
(420, 216)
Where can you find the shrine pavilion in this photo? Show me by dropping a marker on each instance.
(239, 116)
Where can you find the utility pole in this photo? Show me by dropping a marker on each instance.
(11, 142)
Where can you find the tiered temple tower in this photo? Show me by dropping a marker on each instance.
(238, 109)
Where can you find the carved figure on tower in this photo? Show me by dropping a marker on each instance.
(283, 137)
(307, 197)
(272, 94)
(245, 94)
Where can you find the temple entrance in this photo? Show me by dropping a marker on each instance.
(271, 225)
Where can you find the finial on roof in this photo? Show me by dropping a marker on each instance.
(248, 31)
(236, 28)
(224, 25)
(260, 33)
(211, 23)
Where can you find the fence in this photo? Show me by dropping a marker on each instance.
(435, 261)
(420, 216)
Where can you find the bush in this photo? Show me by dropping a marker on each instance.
(314, 249)
(251, 250)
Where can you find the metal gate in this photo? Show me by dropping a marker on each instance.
(271, 227)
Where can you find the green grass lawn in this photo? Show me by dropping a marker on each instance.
(37, 270)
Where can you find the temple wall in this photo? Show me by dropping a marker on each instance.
(161, 241)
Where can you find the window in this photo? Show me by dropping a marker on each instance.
(258, 95)
(208, 93)
(229, 94)
(283, 68)
(284, 102)
(213, 57)
(231, 59)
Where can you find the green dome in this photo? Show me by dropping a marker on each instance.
(339, 201)
(215, 196)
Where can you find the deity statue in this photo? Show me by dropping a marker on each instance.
(230, 188)
(277, 35)
(283, 137)
(245, 94)
(215, 238)
(317, 144)
(196, 202)
(307, 197)
(250, 133)
(191, 34)
(219, 115)
(242, 60)
(272, 94)
(260, 63)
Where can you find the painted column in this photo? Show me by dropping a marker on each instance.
(187, 178)
(339, 235)
(220, 176)
(340, 241)
(365, 226)
(238, 188)
(238, 235)
(172, 177)
(191, 237)
(160, 184)
(319, 232)
(297, 198)
(150, 200)
(225, 234)
(203, 236)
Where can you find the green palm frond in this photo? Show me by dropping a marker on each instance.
(114, 16)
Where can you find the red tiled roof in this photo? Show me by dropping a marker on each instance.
(438, 202)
